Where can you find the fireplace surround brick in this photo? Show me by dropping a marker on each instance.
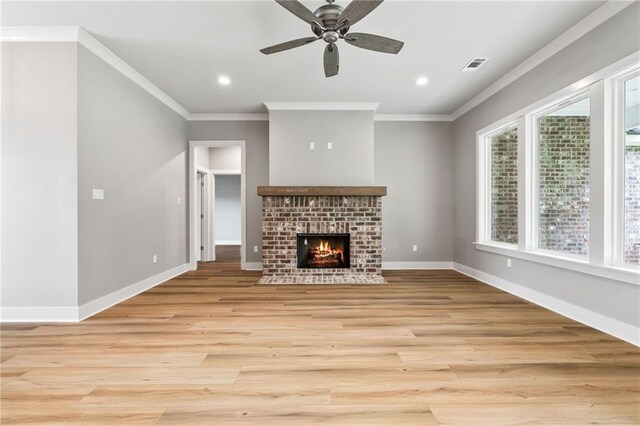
(284, 217)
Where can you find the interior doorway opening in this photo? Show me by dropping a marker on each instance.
(218, 199)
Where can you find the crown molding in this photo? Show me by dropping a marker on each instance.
(321, 106)
(412, 117)
(101, 51)
(265, 117)
(80, 36)
(593, 20)
(228, 117)
(39, 34)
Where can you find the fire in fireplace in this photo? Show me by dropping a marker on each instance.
(323, 251)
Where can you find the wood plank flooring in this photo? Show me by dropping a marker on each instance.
(211, 347)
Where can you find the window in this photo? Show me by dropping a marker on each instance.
(631, 253)
(504, 186)
(563, 179)
(558, 182)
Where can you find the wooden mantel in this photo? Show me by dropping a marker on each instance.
(336, 191)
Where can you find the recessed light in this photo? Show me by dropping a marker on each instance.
(422, 81)
(224, 80)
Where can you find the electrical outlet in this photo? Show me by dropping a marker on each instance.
(384, 249)
(312, 145)
(255, 249)
(98, 194)
(508, 263)
(179, 200)
(329, 145)
(415, 247)
(155, 258)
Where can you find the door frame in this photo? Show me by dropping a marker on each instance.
(193, 213)
(208, 230)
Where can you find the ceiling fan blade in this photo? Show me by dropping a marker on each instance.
(288, 45)
(374, 42)
(356, 10)
(298, 9)
(331, 60)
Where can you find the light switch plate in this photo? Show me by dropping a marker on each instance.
(255, 249)
(415, 247)
(98, 194)
(329, 145)
(508, 263)
(312, 145)
(155, 258)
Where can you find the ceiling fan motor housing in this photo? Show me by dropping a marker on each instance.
(328, 15)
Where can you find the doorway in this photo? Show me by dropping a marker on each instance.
(221, 166)
(201, 204)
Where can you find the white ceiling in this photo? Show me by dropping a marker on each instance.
(182, 47)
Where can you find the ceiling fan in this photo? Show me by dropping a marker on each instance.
(331, 23)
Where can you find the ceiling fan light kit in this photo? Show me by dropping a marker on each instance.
(331, 23)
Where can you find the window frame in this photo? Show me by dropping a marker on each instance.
(606, 177)
(484, 209)
(616, 85)
(535, 177)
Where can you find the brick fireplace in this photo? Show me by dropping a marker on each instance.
(321, 234)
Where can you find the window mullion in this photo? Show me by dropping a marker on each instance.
(524, 183)
(599, 177)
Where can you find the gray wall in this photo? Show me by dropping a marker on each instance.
(350, 162)
(202, 157)
(39, 151)
(413, 159)
(611, 41)
(225, 158)
(227, 207)
(256, 135)
(133, 147)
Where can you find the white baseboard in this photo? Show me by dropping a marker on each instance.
(257, 266)
(39, 314)
(417, 265)
(228, 242)
(252, 266)
(75, 314)
(616, 328)
(107, 301)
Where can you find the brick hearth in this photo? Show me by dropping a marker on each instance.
(321, 210)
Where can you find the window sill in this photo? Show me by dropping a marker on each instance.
(629, 275)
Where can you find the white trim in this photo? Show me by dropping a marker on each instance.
(227, 117)
(39, 34)
(226, 172)
(265, 117)
(416, 265)
(31, 314)
(39, 314)
(193, 214)
(566, 93)
(412, 117)
(616, 172)
(549, 258)
(209, 252)
(228, 242)
(118, 296)
(321, 106)
(97, 48)
(79, 35)
(596, 18)
(252, 266)
(613, 327)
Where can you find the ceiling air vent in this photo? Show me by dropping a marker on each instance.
(474, 64)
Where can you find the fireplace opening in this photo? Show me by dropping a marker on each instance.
(323, 251)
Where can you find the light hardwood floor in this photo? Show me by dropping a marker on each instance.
(211, 347)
